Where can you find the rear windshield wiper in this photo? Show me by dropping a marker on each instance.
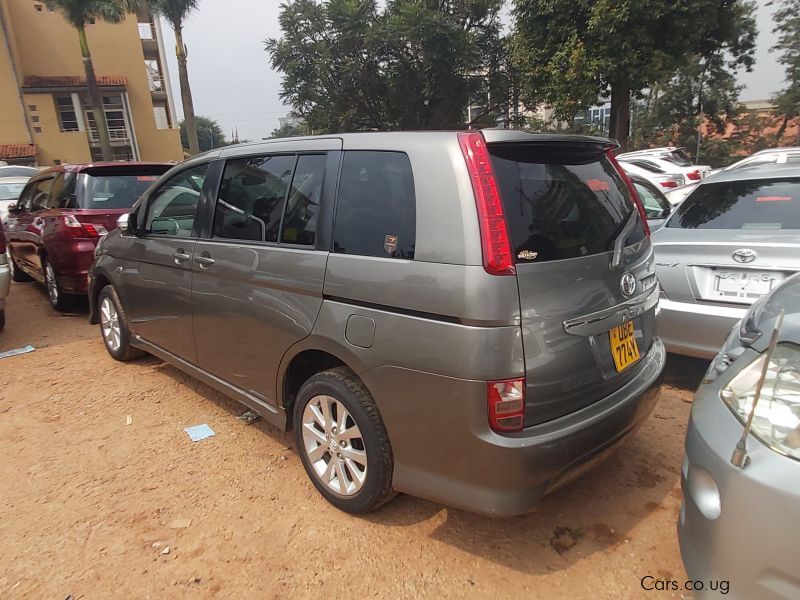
(619, 242)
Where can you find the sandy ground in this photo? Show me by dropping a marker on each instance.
(90, 504)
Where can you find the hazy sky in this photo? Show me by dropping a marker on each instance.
(233, 82)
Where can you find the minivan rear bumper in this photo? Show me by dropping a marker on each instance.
(445, 451)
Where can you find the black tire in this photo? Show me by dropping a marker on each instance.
(124, 351)
(2, 319)
(17, 274)
(343, 387)
(59, 300)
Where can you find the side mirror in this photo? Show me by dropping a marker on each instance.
(124, 223)
(666, 212)
(13, 209)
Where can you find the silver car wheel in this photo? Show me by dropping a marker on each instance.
(52, 285)
(334, 446)
(109, 323)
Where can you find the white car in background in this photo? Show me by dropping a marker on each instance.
(10, 189)
(774, 156)
(664, 164)
(665, 181)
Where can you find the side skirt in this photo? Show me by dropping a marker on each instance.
(274, 416)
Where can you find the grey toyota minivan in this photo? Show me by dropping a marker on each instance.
(465, 317)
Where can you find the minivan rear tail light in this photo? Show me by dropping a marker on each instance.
(506, 404)
(495, 241)
(75, 228)
(634, 194)
(694, 175)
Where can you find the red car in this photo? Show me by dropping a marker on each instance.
(61, 214)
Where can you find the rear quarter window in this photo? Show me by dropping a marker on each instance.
(375, 206)
(749, 204)
(560, 203)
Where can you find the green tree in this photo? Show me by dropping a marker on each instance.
(79, 14)
(573, 52)
(288, 130)
(349, 65)
(209, 134)
(175, 12)
(787, 26)
(702, 97)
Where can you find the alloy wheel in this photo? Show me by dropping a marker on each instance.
(334, 446)
(109, 323)
(52, 284)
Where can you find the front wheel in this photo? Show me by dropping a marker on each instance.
(342, 441)
(114, 326)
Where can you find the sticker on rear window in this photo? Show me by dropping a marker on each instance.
(598, 185)
(774, 199)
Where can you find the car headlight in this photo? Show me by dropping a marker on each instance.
(776, 421)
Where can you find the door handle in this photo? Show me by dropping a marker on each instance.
(204, 261)
(180, 256)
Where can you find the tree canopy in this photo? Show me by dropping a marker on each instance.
(209, 134)
(351, 65)
(571, 53)
(787, 26)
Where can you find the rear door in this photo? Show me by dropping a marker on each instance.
(731, 242)
(25, 227)
(566, 205)
(259, 272)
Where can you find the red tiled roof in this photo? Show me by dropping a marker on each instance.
(34, 81)
(17, 150)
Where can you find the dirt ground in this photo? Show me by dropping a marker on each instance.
(94, 507)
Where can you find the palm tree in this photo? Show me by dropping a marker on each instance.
(176, 11)
(80, 13)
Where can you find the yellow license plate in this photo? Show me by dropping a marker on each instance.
(624, 349)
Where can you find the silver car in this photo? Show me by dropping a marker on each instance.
(467, 317)
(740, 523)
(734, 238)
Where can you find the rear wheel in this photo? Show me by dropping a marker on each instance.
(58, 299)
(342, 442)
(114, 326)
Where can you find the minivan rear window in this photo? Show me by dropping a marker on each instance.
(116, 188)
(560, 203)
(747, 204)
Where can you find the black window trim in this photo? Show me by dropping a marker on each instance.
(143, 207)
(330, 181)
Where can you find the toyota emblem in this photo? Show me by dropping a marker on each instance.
(628, 285)
(745, 255)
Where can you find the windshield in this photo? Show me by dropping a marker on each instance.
(749, 204)
(560, 203)
(108, 189)
(10, 191)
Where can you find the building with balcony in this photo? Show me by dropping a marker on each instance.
(45, 117)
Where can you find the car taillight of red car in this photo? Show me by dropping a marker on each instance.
(75, 228)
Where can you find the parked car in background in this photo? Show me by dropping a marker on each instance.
(656, 206)
(17, 171)
(738, 524)
(773, 156)
(666, 181)
(5, 279)
(734, 238)
(10, 189)
(674, 153)
(391, 304)
(62, 213)
(677, 195)
(659, 165)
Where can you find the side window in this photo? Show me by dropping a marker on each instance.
(172, 208)
(302, 208)
(24, 202)
(252, 197)
(40, 199)
(653, 205)
(376, 207)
